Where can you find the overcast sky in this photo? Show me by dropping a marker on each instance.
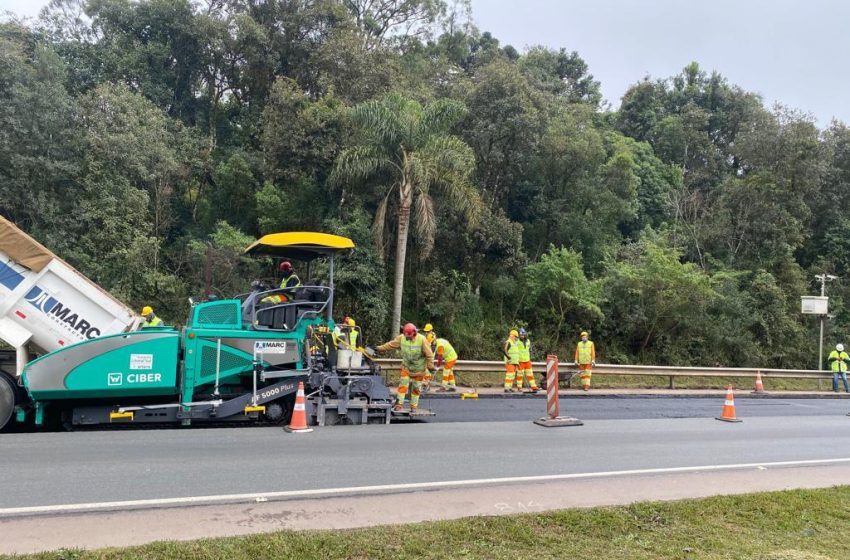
(791, 51)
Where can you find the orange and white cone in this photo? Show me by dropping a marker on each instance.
(298, 424)
(759, 385)
(728, 414)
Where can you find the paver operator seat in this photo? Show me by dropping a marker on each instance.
(282, 308)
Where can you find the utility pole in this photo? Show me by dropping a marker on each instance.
(823, 279)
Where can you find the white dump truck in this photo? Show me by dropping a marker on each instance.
(46, 304)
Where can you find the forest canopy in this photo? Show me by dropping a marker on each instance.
(140, 138)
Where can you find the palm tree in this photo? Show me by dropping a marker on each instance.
(412, 146)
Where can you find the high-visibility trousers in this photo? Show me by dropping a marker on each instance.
(414, 383)
(525, 371)
(585, 373)
(449, 374)
(510, 374)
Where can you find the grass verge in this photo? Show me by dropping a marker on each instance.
(790, 525)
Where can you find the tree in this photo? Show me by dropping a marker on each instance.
(301, 137)
(562, 74)
(409, 146)
(153, 47)
(40, 147)
(560, 295)
(506, 120)
(380, 18)
(654, 304)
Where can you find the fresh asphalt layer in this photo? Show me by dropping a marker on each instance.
(622, 407)
(47, 469)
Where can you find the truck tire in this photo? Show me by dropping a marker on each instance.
(8, 394)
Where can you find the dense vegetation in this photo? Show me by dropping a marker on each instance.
(139, 137)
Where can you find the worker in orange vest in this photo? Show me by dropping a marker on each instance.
(446, 359)
(511, 352)
(525, 369)
(585, 358)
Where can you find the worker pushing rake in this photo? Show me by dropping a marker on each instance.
(445, 358)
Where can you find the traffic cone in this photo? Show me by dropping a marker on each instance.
(728, 414)
(759, 384)
(298, 424)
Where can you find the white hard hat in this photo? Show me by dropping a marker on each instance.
(839, 347)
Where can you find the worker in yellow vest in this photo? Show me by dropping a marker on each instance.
(347, 336)
(446, 359)
(151, 320)
(838, 361)
(585, 358)
(337, 332)
(417, 360)
(428, 329)
(288, 284)
(288, 278)
(511, 352)
(525, 370)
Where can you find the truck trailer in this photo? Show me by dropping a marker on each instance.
(45, 305)
(236, 360)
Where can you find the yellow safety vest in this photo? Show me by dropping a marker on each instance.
(285, 281)
(585, 352)
(512, 352)
(155, 322)
(838, 362)
(524, 350)
(351, 334)
(449, 353)
(412, 357)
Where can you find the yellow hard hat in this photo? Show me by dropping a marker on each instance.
(146, 310)
(428, 327)
(351, 322)
(514, 333)
(584, 333)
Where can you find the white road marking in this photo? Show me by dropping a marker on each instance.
(390, 488)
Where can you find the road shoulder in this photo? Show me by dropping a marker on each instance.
(126, 528)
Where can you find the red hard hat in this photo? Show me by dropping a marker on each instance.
(285, 266)
(410, 330)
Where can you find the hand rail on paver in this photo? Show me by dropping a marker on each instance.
(567, 368)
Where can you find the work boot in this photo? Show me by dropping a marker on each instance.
(509, 390)
(398, 407)
(586, 388)
(450, 389)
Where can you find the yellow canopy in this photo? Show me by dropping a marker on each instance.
(300, 245)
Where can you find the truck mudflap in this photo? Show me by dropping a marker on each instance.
(237, 409)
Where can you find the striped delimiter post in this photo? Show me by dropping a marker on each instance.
(552, 407)
(553, 418)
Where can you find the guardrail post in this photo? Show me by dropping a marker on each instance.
(553, 418)
(671, 381)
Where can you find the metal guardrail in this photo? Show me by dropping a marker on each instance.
(671, 372)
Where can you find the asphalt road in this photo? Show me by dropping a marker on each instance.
(105, 466)
(626, 408)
